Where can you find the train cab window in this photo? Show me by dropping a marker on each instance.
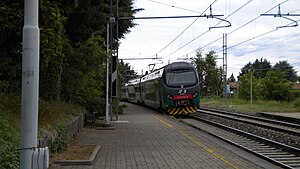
(180, 77)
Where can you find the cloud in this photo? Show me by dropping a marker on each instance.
(150, 36)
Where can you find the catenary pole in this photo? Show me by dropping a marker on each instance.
(30, 81)
(117, 58)
(251, 89)
(107, 78)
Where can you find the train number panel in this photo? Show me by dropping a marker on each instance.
(182, 103)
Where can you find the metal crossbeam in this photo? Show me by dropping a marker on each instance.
(279, 14)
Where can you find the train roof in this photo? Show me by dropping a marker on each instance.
(153, 75)
(133, 81)
(158, 72)
(179, 65)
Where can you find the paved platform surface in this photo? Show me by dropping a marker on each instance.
(295, 115)
(144, 139)
(290, 117)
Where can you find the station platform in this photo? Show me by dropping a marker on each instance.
(293, 117)
(145, 139)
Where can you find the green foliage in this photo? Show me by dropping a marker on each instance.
(61, 141)
(275, 86)
(231, 78)
(209, 73)
(9, 156)
(121, 108)
(294, 94)
(11, 22)
(257, 105)
(259, 68)
(52, 39)
(84, 73)
(65, 27)
(9, 140)
(89, 16)
(244, 88)
(269, 83)
(296, 103)
(126, 72)
(289, 73)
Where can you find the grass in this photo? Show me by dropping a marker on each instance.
(50, 113)
(257, 105)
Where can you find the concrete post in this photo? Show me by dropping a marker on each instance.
(30, 82)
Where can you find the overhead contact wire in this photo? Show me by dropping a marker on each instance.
(209, 29)
(183, 30)
(239, 27)
(255, 37)
(174, 6)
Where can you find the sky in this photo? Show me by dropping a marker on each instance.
(250, 36)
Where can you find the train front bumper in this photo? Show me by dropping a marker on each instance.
(182, 110)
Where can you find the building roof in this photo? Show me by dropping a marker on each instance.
(296, 86)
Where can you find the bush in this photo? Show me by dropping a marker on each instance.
(61, 141)
(294, 94)
(9, 143)
(296, 103)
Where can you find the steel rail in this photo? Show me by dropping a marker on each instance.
(293, 125)
(269, 124)
(277, 153)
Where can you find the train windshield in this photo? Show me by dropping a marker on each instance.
(180, 77)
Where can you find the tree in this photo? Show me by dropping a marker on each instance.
(289, 73)
(275, 86)
(209, 74)
(51, 49)
(261, 68)
(83, 75)
(231, 78)
(85, 17)
(244, 87)
(126, 72)
(11, 22)
(64, 26)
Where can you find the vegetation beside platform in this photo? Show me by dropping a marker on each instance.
(240, 105)
(52, 116)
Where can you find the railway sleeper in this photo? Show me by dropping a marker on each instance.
(262, 148)
(287, 159)
(284, 155)
(256, 146)
(295, 165)
(274, 153)
(268, 151)
(290, 162)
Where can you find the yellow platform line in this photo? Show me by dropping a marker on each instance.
(198, 143)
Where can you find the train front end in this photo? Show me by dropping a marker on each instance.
(180, 89)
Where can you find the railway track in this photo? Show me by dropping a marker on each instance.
(281, 126)
(278, 153)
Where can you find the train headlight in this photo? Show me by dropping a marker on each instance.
(170, 97)
(195, 95)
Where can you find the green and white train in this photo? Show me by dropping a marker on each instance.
(173, 89)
